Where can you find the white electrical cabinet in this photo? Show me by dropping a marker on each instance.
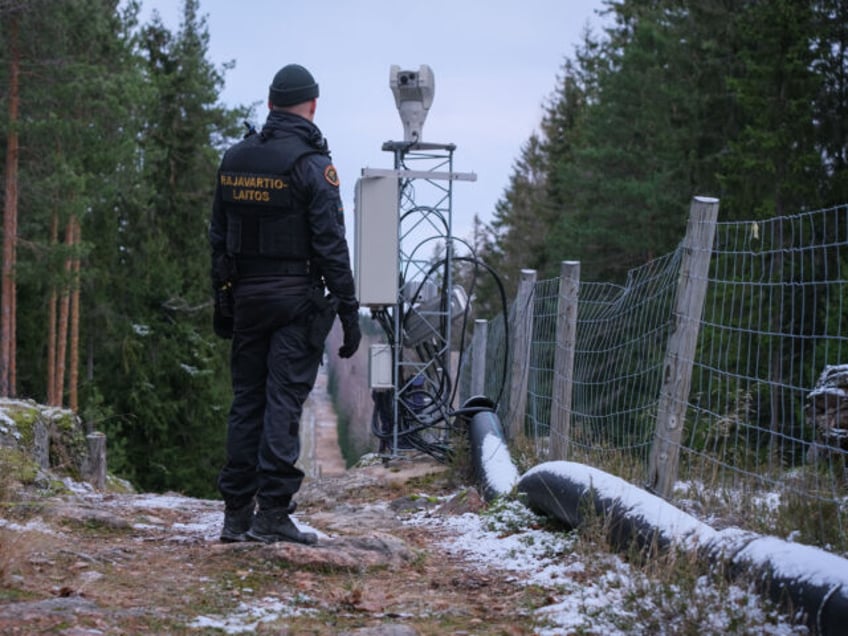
(376, 241)
(380, 367)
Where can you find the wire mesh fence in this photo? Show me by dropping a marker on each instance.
(765, 426)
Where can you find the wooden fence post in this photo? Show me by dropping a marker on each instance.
(96, 465)
(521, 335)
(679, 358)
(478, 357)
(566, 336)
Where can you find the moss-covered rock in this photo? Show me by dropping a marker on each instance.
(42, 444)
(16, 465)
(68, 446)
(25, 426)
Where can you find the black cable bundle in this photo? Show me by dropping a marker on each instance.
(425, 419)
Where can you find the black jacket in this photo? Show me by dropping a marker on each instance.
(283, 174)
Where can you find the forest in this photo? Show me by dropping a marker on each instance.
(743, 101)
(112, 131)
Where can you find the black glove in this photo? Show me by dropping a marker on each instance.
(352, 334)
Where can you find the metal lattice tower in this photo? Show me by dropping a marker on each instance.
(420, 323)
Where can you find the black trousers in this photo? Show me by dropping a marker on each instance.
(273, 370)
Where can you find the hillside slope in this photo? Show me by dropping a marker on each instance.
(405, 548)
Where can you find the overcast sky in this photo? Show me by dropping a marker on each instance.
(495, 64)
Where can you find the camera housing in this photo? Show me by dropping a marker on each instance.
(413, 91)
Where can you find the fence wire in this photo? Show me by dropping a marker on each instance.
(764, 444)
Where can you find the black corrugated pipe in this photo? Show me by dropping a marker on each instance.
(493, 467)
(793, 575)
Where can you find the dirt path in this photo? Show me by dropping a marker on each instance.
(87, 563)
(95, 563)
(321, 455)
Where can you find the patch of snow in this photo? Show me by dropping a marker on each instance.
(167, 501)
(53, 412)
(78, 487)
(828, 390)
(9, 425)
(33, 525)
(501, 474)
(141, 330)
(206, 525)
(247, 616)
(797, 561)
(620, 601)
(207, 515)
(145, 526)
(770, 501)
(191, 370)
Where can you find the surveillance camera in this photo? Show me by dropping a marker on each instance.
(413, 91)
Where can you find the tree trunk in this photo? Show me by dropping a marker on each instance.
(10, 223)
(52, 398)
(64, 311)
(73, 372)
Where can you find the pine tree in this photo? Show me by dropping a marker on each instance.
(8, 293)
(70, 86)
(168, 373)
(116, 173)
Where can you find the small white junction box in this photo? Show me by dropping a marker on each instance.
(380, 367)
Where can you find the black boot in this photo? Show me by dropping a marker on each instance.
(237, 521)
(271, 525)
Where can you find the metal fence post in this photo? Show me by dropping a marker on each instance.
(566, 336)
(679, 357)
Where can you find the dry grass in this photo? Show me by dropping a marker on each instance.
(23, 555)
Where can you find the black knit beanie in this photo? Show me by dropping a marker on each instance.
(292, 85)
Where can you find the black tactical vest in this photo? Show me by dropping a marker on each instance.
(266, 222)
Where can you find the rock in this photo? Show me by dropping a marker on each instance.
(466, 501)
(26, 611)
(356, 518)
(53, 439)
(24, 426)
(88, 516)
(353, 554)
(413, 503)
(827, 411)
(390, 629)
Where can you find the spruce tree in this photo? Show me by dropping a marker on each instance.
(115, 182)
(772, 166)
(169, 375)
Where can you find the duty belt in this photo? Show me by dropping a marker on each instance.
(271, 266)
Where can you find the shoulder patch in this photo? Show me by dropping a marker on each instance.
(331, 176)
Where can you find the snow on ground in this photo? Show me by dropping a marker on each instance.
(248, 616)
(34, 525)
(798, 567)
(606, 596)
(597, 595)
(600, 595)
